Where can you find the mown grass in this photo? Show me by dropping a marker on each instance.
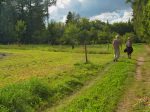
(22, 64)
(92, 49)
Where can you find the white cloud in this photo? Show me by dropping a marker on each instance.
(115, 16)
(86, 8)
(64, 19)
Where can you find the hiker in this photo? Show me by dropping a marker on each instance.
(116, 46)
(129, 48)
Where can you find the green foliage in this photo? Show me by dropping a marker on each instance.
(20, 30)
(134, 38)
(37, 31)
(54, 33)
(122, 28)
(3, 109)
(32, 12)
(35, 12)
(69, 17)
(84, 31)
(71, 34)
(146, 21)
(141, 18)
(72, 17)
(24, 97)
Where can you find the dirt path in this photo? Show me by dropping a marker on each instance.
(133, 94)
(140, 62)
(69, 99)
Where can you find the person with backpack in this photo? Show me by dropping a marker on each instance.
(129, 48)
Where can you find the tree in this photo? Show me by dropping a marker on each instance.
(71, 34)
(85, 34)
(69, 17)
(94, 35)
(7, 22)
(141, 14)
(54, 32)
(20, 30)
(146, 22)
(122, 28)
(72, 17)
(47, 4)
(32, 12)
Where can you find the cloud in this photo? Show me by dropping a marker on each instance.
(115, 16)
(86, 8)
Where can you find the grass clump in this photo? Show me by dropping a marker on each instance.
(24, 97)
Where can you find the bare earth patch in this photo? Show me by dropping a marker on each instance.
(2, 55)
(140, 62)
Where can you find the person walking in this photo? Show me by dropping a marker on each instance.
(129, 48)
(116, 45)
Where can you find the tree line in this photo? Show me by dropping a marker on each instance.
(22, 20)
(141, 20)
(27, 22)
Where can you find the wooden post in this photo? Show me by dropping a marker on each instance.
(86, 57)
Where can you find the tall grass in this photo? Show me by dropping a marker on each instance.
(36, 94)
(104, 95)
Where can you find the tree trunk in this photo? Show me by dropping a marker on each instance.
(72, 46)
(108, 46)
(86, 57)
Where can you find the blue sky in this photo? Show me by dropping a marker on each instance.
(111, 10)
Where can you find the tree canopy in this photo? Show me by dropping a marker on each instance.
(141, 20)
(27, 22)
(32, 12)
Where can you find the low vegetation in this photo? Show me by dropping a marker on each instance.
(106, 92)
(34, 82)
(33, 90)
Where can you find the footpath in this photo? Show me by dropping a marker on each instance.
(137, 96)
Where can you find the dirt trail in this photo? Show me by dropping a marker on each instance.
(130, 97)
(126, 104)
(67, 100)
(140, 62)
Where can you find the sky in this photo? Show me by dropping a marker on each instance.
(111, 10)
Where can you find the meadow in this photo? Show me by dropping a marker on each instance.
(21, 63)
(37, 77)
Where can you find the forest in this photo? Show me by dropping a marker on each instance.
(28, 22)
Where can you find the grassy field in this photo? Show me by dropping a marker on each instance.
(37, 77)
(25, 62)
